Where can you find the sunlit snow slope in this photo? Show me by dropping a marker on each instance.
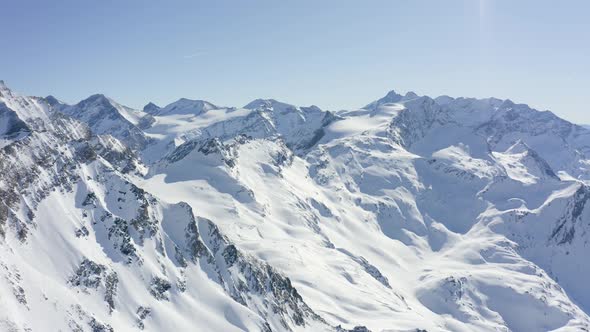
(409, 214)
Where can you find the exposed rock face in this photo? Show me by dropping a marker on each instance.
(159, 287)
(12, 127)
(247, 279)
(565, 230)
(142, 314)
(44, 161)
(91, 275)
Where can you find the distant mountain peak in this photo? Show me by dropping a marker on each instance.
(268, 103)
(97, 98)
(52, 101)
(443, 100)
(392, 94)
(390, 98)
(151, 108)
(410, 95)
(507, 103)
(184, 106)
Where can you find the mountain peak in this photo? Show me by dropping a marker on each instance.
(185, 106)
(391, 97)
(507, 103)
(444, 100)
(3, 86)
(52, 101)
(151, 108)
(536, 165)
(96, 98)
(269, 103)
(410, 95)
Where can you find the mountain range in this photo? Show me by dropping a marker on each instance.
(410, 214)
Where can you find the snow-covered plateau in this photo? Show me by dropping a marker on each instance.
(410, 214)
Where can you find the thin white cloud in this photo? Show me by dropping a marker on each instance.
(194, 55)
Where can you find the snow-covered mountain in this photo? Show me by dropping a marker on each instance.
(105, 116)
(410, 214)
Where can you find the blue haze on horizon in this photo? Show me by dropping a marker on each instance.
(334, 54)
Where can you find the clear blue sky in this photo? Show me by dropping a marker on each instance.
(335, 54)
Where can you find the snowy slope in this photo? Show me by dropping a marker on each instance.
(410, 214)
